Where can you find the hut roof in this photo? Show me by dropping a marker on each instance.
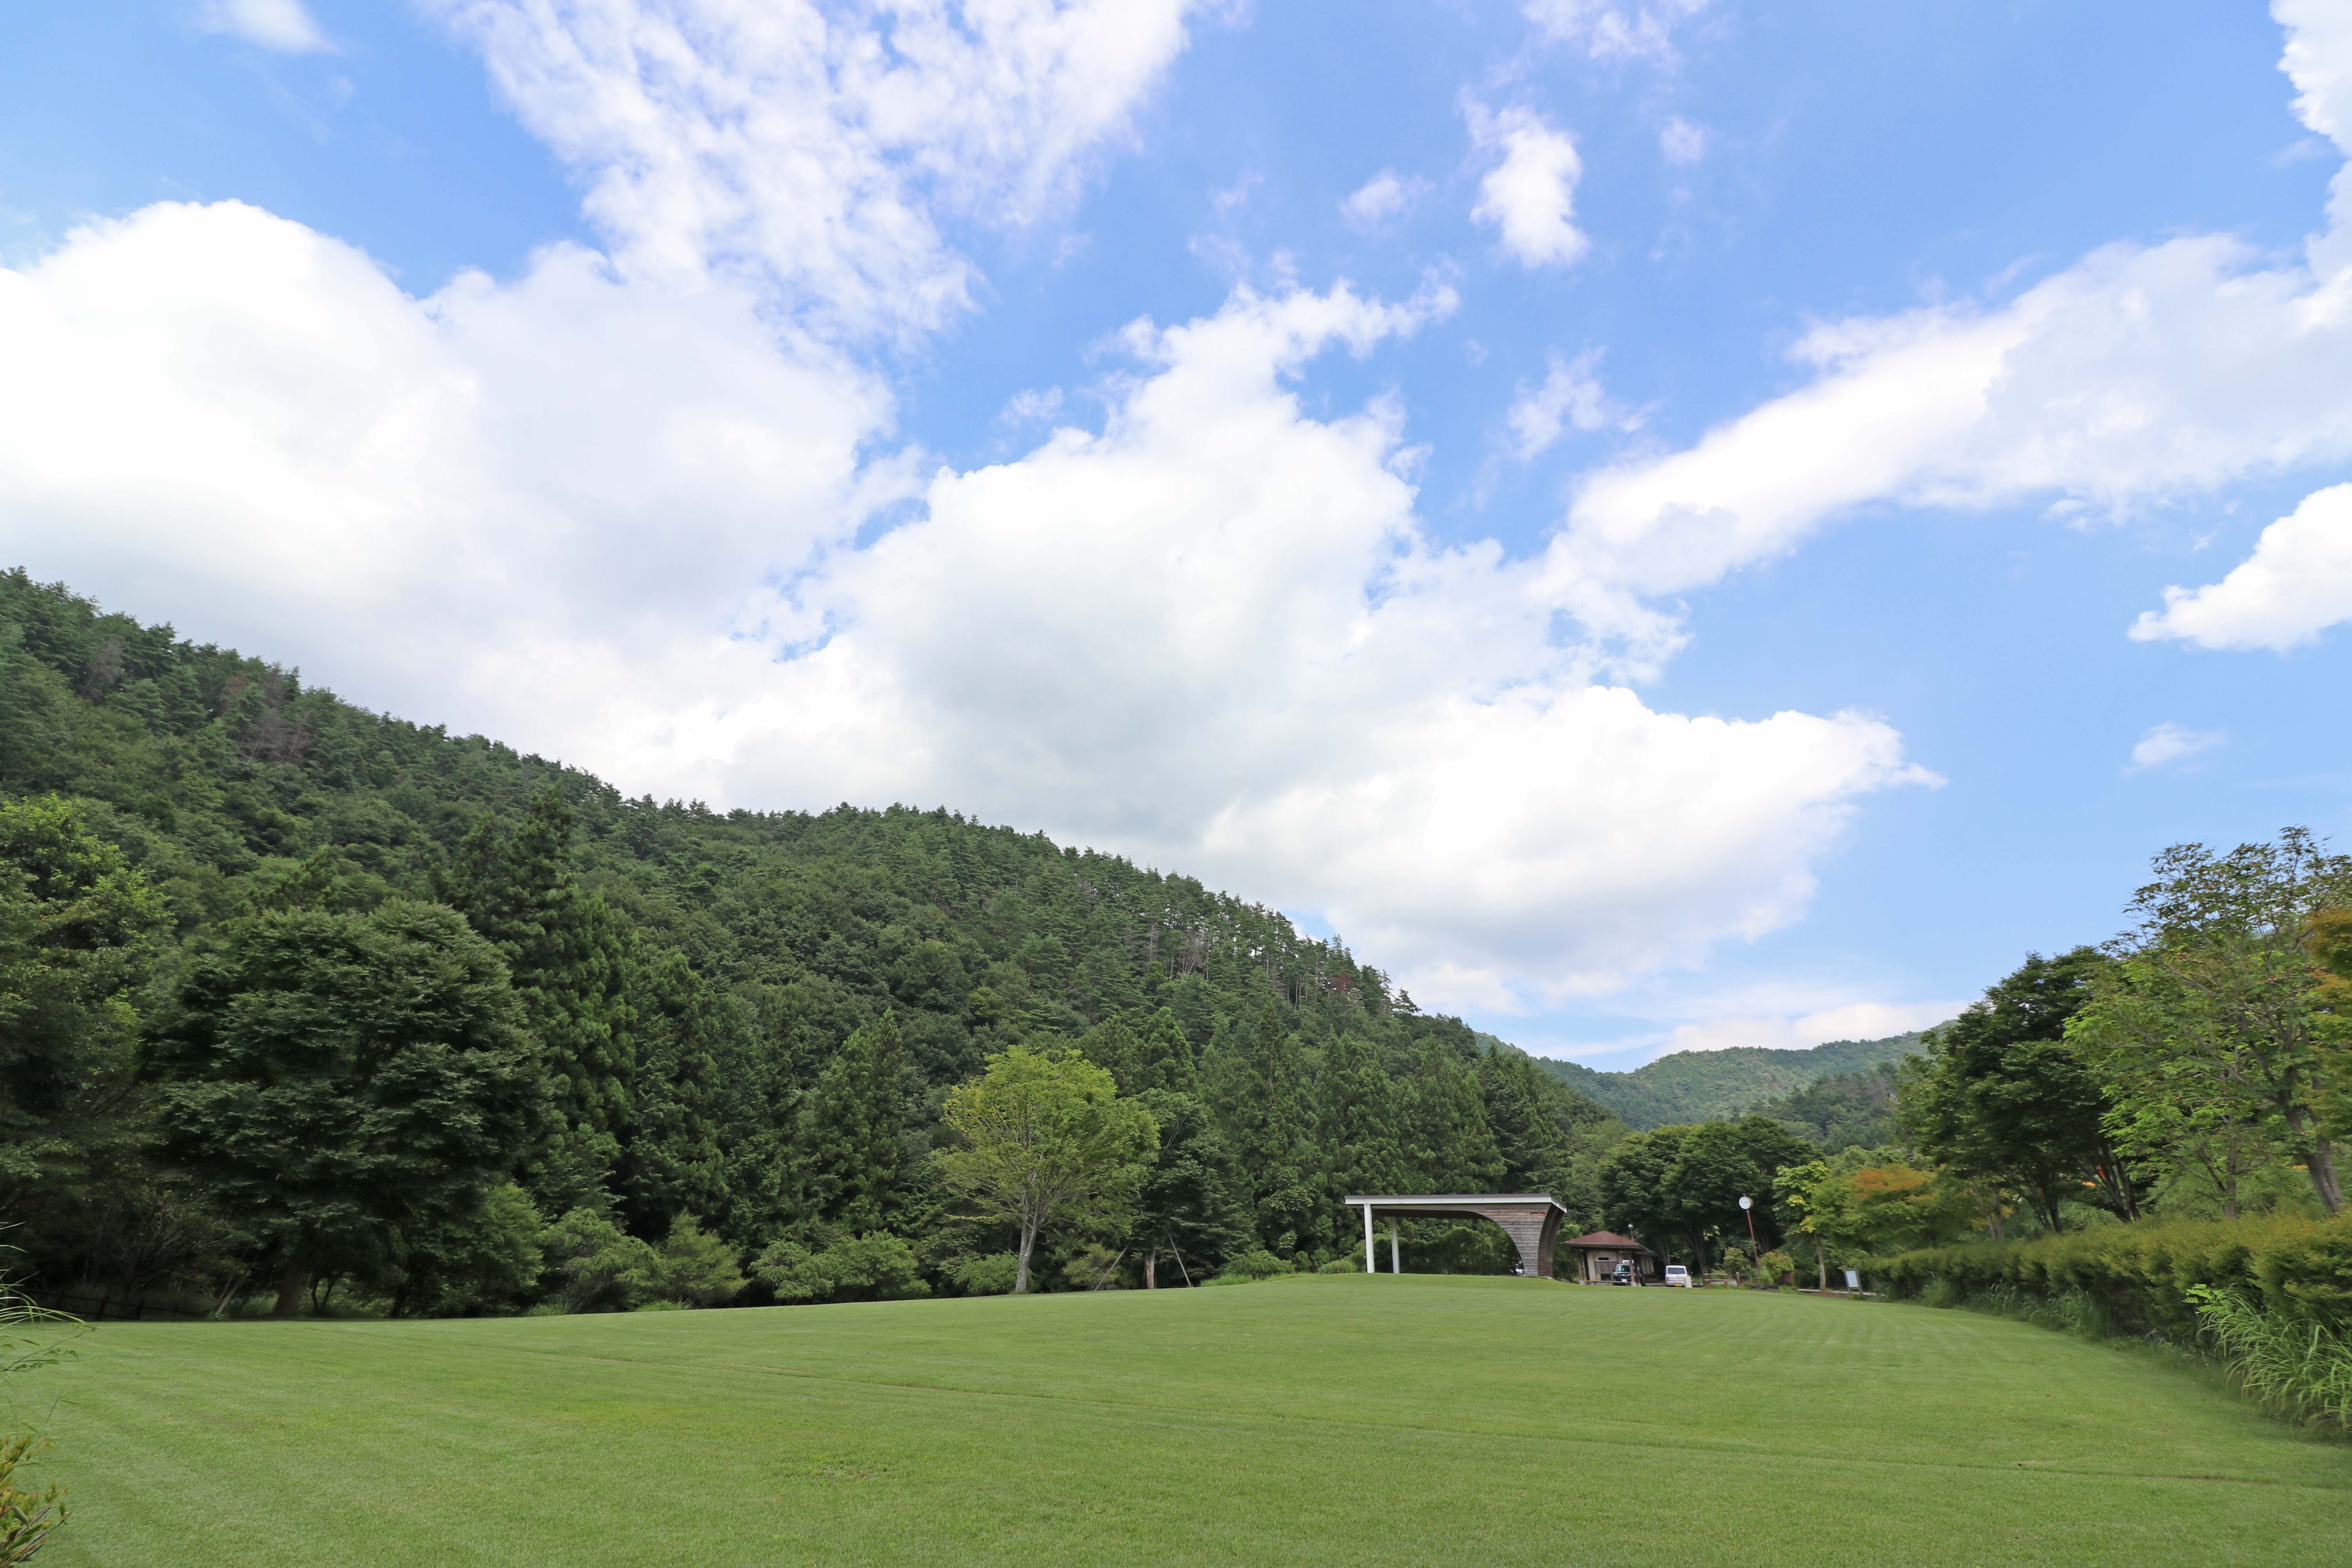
(1608, 1239)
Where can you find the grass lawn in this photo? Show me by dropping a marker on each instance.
(1338, 1419)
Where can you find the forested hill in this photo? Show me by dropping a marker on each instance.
(688, 978)
(1706, 1086)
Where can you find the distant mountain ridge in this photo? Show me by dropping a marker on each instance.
(1705, 1086)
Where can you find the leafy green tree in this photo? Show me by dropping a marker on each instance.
(2329, 938)
(2000, 1097)
(2214, 1008)
(71, 917)
(1043, 1138)
(1682, 1186)
(1518, 1099)
(466, 1263)
(1358, 1122)
(1113, 1047)
(326, 1075)
(671, 1158)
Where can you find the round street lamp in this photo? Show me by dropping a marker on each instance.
(1748, 1207)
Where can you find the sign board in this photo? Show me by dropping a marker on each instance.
(1853, 1280)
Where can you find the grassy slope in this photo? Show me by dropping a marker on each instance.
(1323, 1419)
(1700, 1086)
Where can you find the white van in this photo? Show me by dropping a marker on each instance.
(1679, 1275)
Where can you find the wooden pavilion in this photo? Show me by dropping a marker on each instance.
(1530, 1219)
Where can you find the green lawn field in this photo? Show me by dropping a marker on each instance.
(1410, 1419)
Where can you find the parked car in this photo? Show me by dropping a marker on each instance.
(1622, 1275)
(1679, 1275)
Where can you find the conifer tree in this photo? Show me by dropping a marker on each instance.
(854, 1121)
(1358, 1122)
(1533, 1145)
(1451, 1148)
(670, 1161)
(567, 953)
(1112, 1046)
(1259, 1081)
(1164, 1057)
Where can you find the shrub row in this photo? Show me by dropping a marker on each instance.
(2143, 1275)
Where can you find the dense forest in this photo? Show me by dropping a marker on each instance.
(681, 1037)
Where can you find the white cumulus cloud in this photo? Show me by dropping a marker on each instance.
(1568, 397)
(1384, 196)
(2141, 374)
(1529, 195)
(2296, 585)
(815, 150)
(2169, 743)
(279, 25)
(1215, 635)
(527, 509)
(1610, 31)
(614, 511)
(1681, 141)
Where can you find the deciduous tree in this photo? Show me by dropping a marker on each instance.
(326, 1075)
(1043, 1138)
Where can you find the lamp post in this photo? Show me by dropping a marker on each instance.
(1748, 1207)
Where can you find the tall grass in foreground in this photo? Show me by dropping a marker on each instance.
(2296, 1369)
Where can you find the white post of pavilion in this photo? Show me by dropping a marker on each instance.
(1394, 1267)
(1372, 1262)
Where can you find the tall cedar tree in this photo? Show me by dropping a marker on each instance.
(329, 1076)
(1357, 1124)
(1259, 1084)
(1452, 1148)
(856, 1117)
(567, 953)
(1186, 1207)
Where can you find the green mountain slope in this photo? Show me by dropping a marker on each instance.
(1702, 1086)
(738, 952)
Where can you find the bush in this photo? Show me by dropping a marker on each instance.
(697, 1267)
(1256, 1264)
(2141, 1275)
(603, 1268)
(1777, 1266)
(876, 1268)
(991, 1276)
(1343, 1263)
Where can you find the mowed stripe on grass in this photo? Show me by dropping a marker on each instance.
(1380, 1420)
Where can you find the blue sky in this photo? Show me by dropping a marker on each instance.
(1633, 515)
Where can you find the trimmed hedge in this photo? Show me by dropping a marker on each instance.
(2142, 1274)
